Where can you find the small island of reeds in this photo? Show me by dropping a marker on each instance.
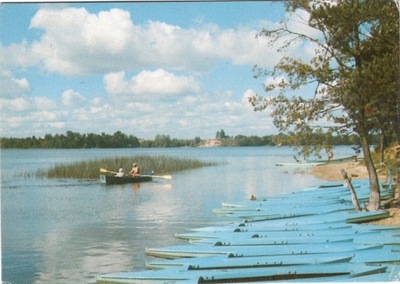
(148, 164)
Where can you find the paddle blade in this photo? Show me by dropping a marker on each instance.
(106, 171)
(163, 177)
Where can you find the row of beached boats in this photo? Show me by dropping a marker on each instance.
(313, 235)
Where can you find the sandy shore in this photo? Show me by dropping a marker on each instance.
(332, 172)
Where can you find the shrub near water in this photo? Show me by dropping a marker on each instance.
(90, 169)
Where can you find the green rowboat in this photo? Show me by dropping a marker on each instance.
(110, 179)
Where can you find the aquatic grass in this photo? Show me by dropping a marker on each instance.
(148, 164)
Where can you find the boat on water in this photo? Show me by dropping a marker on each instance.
(354, 158)
(111, 179)
(309, 163)
(274, 273)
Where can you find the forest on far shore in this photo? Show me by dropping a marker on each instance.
(73, 140)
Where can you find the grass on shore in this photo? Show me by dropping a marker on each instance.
(91, 169)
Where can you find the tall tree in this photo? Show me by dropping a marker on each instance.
(353, 70)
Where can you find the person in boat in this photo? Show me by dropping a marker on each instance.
(120, 173)
(135, 170)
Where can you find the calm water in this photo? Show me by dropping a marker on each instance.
(68, 231)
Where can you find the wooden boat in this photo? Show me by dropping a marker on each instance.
(277, 273)
(223, 262)
(248, 227)
(265, 233)
(202, 250)
(111, 179)
(299, 164)
(232, 241)
(290, 272)
(310, 163)
(276, 212)
(353, 158)
(350, 216)
(374, 255)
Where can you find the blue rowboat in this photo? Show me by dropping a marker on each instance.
(223, 262)
(302, 207)
(264, 226)
(232, 241)
(201, 250)
(265, 233)
(280, 273)
(277, 213)
(350, 216)
(376, 255)
(299, 164)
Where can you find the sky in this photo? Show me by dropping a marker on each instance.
(183, 69)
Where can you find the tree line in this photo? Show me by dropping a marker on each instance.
(74, 140)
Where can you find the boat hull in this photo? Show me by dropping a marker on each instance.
(109, 179)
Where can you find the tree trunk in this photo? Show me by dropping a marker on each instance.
(354, 198)
(397, 192)
(374, 196)
(382, 149)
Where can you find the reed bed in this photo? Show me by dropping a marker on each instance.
(148, 164)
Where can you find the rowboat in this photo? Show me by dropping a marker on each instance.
(374, 255)
(280, 273)
(350, 216)
(223, 262)
(353, 158)
(310, 163)
(266, 233)
(276, 212)
(111, 179)
(232, 241)
(299, 164)
(203, 250)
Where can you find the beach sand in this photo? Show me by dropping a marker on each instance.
(332, 172)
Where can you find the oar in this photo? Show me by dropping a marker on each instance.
(153, 176)
(163, 177)
(107, 171)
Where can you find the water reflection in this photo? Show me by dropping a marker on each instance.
(67, 231)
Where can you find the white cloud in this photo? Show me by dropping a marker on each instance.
(24, 104)
(43, 103)
(189, 116)
(74, 41)
(17, 54)
(164, 96)
(11, 86)
(17, 104)
(70, 97)
(158, 83)
(115, 84)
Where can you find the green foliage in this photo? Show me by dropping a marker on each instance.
(221, 134)
(356, 54)
(108, 141)
(354, 70)
(90, 169)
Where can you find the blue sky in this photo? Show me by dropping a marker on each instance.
(179, 69)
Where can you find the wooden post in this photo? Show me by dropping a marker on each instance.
(354, 198)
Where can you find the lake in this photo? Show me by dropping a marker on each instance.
(70, 230)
